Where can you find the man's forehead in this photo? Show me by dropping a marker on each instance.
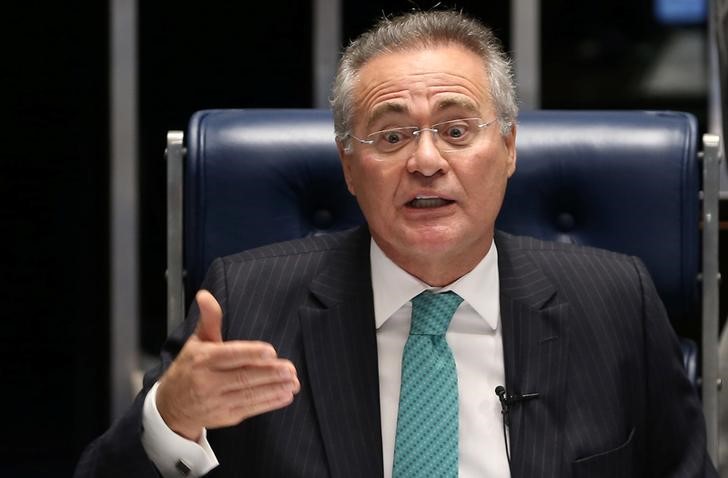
(447, 76)
(441, 103)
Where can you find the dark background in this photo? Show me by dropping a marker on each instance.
(55, 176)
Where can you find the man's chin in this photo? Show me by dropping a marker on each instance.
(430, 246)
(441, 245)
(414, 243)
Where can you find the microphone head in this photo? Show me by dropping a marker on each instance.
(500, 390)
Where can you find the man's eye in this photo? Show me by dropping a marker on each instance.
(456, 132)
(392, 137)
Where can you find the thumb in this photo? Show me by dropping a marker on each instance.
(210, 323)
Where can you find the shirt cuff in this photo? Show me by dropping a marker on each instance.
(173, 455)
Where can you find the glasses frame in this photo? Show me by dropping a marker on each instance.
(416, 131)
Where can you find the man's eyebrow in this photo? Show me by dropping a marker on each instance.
(448, 102)
(460, 102)
(383, 109)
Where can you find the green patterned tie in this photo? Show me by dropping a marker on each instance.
(427, 423)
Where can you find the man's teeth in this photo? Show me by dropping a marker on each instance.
(426, 202)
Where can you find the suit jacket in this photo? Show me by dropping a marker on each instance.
(582, 327)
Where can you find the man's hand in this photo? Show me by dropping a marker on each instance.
(215, 384)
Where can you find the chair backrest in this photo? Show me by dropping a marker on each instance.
(625, 181)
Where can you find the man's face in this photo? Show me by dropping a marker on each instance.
(423, 205)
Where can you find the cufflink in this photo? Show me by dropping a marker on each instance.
(183, 468)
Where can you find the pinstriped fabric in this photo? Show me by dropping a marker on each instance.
(329, 336)
(312, 300)
(576, 271)
(582, 327)
(585, 329)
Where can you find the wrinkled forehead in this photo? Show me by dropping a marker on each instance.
(443, 103)
(448, 76)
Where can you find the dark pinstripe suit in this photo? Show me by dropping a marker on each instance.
(582, 327)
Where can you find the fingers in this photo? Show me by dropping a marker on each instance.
(262, 399)
(234, 365)
(239, 365)
(210, 323)
(238, 353)
(213, 384)
(234, 407)
(245, 378)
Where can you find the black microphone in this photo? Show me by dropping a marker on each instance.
(506, 401)
(500, 390)
(521, 397)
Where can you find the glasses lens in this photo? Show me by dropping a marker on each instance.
(457, 134)
(391, 140)
(452, 136)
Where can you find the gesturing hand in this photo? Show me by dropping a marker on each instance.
(215, 384)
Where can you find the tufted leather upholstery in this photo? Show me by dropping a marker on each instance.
(622, 180)
(626, 181)
(254, 177)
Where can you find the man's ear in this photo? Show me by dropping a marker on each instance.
(345, 156)
(509, 142)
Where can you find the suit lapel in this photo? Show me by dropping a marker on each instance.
(340, 347)
(535, 342)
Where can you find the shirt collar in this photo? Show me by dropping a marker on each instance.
(393, 286)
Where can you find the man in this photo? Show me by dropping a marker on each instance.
(319, 357)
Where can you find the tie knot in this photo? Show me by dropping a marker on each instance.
(431, 313)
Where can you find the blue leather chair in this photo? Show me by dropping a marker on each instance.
(626, 181)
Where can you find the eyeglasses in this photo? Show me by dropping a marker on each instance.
(451, 136)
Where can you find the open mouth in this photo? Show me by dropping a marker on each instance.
(424, 202)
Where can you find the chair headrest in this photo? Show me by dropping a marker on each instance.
(625, 181)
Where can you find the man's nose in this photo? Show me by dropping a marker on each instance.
(426, 158)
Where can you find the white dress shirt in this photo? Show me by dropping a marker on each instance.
(171, 453)
(475, 338)
(474, 335)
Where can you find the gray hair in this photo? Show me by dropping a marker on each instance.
(424, 30)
